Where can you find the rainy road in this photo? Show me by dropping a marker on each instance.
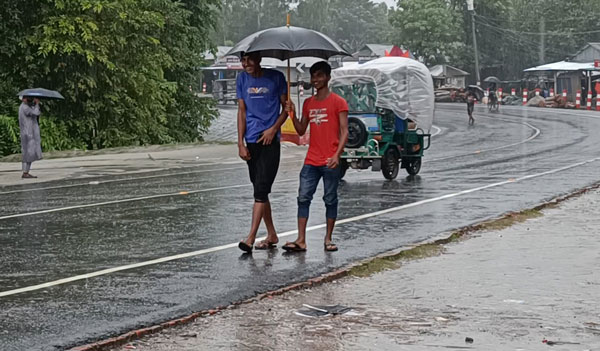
(180, 228)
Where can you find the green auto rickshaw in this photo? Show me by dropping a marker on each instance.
(391, 105)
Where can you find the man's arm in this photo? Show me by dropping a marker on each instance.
(299, 124)
(269, 134)
(241, 127)
(335, 160)
(33, 111)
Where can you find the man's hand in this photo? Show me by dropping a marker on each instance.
(290, 107)
(244, 153)
(333, 162)
(267, 136)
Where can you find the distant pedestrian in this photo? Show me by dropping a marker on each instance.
(261, 97)
(31, 142)
(327, 114)
(471, 105)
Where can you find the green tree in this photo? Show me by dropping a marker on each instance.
(351, 23)
(126, 67)
(431, 29)
(517, 34)
(240, 18)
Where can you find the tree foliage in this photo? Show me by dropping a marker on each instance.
(351, 23)
(127, 68)
(511, 34)
(431, 29)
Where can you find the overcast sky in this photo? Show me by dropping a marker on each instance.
(390, 3)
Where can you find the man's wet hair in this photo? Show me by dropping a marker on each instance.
(253, 55)
(320, 66)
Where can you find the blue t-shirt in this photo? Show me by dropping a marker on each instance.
(262, 99)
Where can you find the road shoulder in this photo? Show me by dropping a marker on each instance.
(527, 286)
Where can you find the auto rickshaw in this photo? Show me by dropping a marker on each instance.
(391, 105)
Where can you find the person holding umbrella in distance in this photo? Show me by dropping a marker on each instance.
(31, 141)
(29, 125)
(261, 97)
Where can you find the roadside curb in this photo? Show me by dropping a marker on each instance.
(442, 239)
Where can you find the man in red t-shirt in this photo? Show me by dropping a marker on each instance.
(327, 114)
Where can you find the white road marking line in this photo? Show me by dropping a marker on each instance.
(439, 130)
(533, 136)
(180, 193)
(139, 178)
(288, 233)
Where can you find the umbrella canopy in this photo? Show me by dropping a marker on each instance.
(492, 79)
(477, 91)
(288, 42)
(41, 93)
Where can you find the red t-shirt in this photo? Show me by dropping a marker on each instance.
(324, 121)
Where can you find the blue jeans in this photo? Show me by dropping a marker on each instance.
(309, 179)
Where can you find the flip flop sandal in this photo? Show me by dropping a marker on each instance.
(331, 247)
(265, 245)
(245, 247)
(293, 247)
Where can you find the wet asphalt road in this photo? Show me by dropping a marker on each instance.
(506, 161)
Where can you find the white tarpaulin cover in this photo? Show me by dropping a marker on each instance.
(563, 66)
(402, 85)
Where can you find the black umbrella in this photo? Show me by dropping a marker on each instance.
(477, 91)
(492, 79)
(288, 42)
(41, 93)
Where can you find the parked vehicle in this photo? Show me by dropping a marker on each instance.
(224, 91)
(391, 103)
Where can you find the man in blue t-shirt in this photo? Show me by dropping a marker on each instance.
(261, 94)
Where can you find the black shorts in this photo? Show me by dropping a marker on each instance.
(263, 166)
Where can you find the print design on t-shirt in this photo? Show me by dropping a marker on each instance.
(253, 91)
(318, 115)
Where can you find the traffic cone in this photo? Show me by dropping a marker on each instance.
(578, 99)
(524, 97)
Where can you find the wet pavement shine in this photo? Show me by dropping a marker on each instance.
(88, 233)
(533, 286)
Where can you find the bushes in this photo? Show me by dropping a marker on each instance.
(55, 136)
(9, 136)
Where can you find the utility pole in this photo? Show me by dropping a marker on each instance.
(471, 9)
(542, 39)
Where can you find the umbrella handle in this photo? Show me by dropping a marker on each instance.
(289, 98)
(290, 113)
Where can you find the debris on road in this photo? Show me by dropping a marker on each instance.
(322, 311)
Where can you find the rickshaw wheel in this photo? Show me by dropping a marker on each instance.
(413, 166)
(390, 164)
(343, 167)
(357, 132)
